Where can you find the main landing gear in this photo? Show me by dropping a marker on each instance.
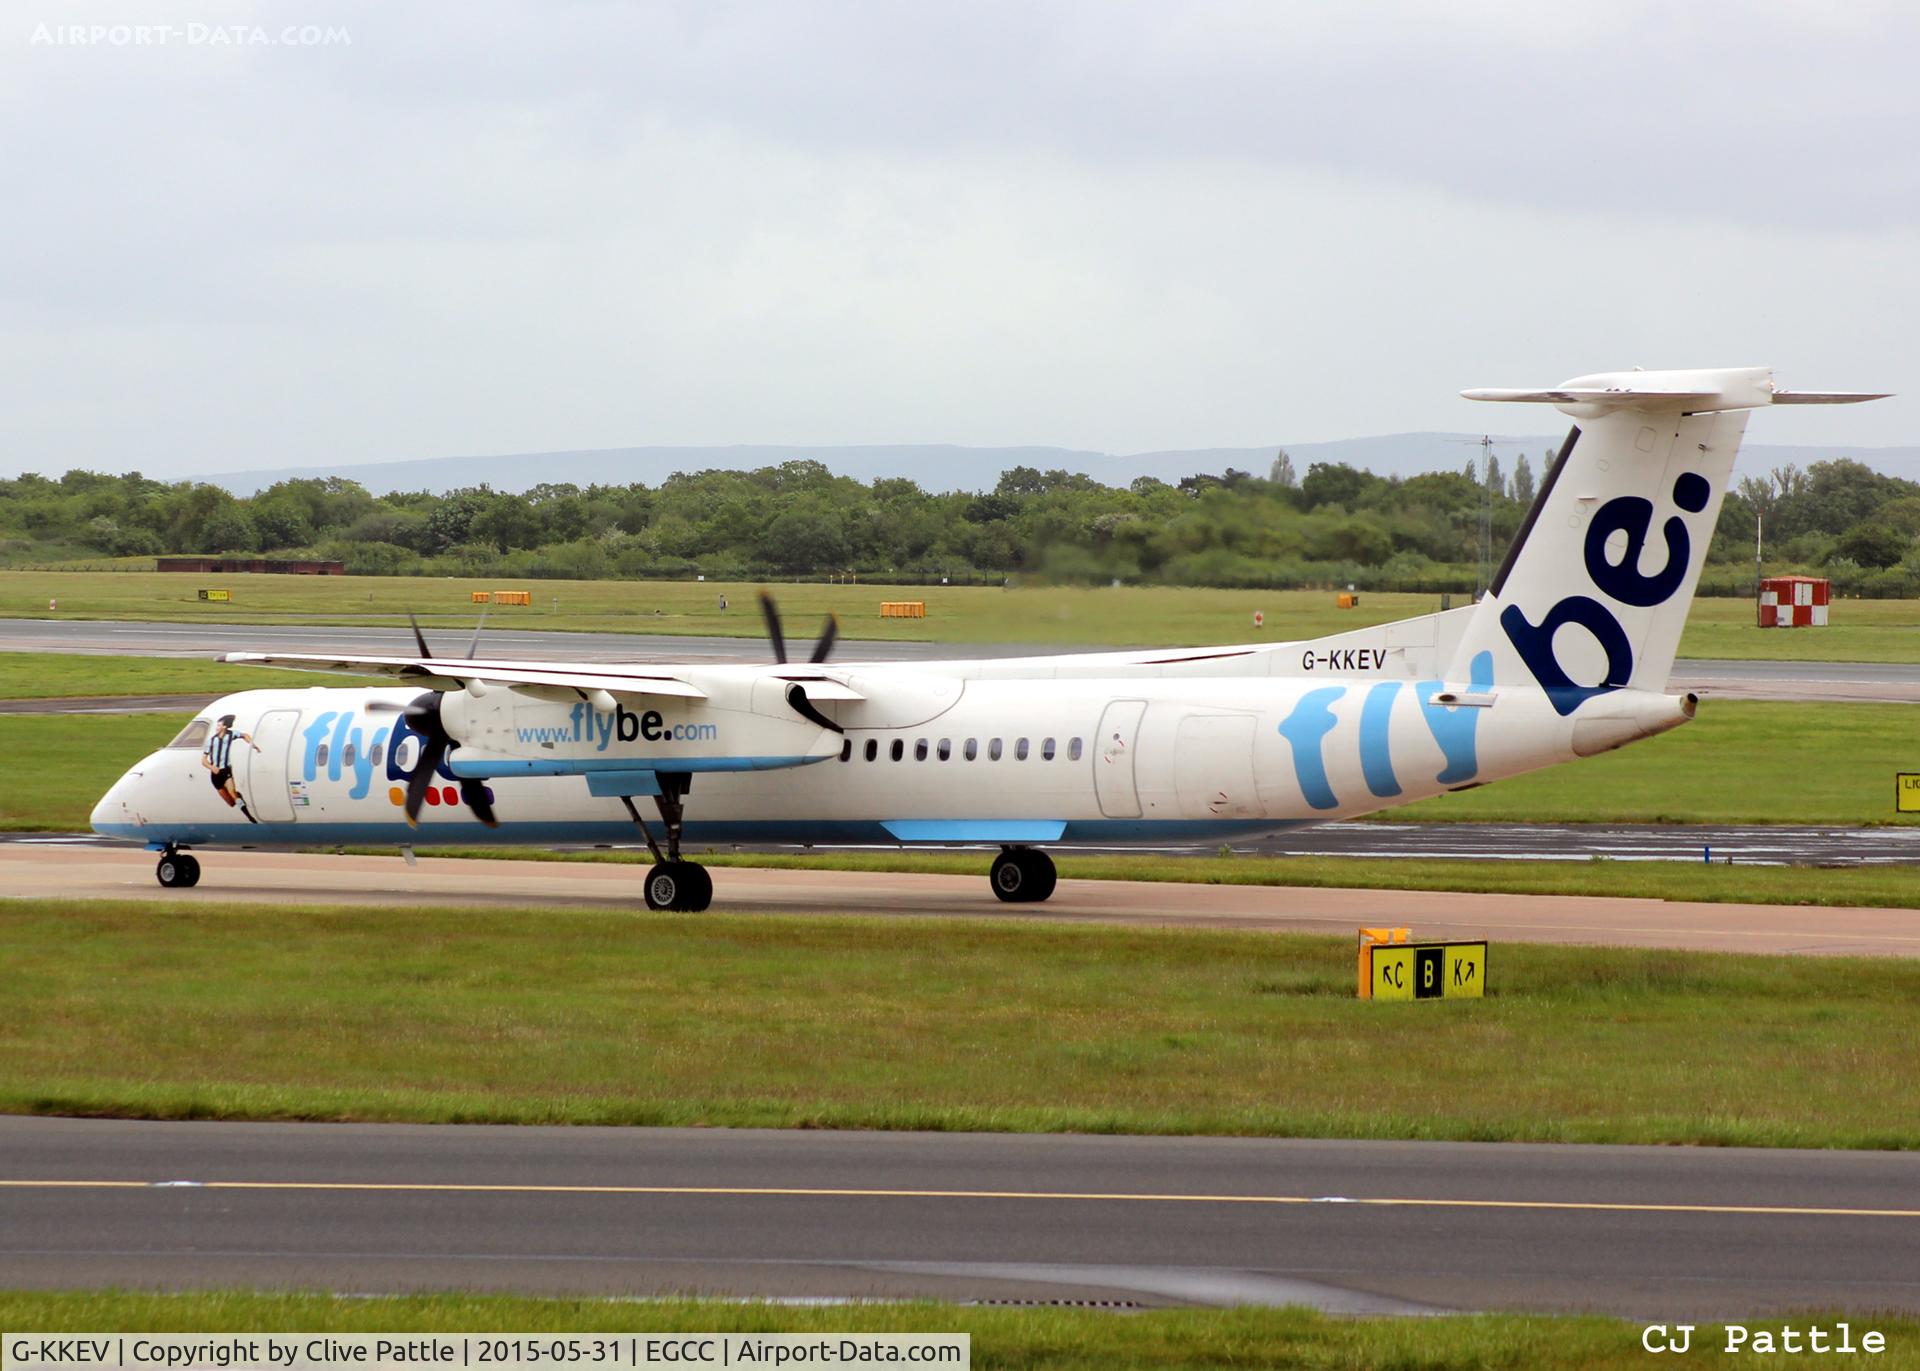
(177, 870)
(682, 886)
(1022, 875)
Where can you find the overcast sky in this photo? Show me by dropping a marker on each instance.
(473, 227)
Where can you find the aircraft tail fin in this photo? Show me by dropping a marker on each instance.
(1595, 589)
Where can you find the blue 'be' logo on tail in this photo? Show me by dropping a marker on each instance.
(1623, 581)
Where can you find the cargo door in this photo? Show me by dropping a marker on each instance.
(265, 786)
(1213, 767)
(1113, 759)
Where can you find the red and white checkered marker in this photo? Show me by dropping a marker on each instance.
(1794, 602)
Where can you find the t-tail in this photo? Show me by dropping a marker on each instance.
(1594, 592)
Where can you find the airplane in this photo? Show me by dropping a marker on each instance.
(1566, 655)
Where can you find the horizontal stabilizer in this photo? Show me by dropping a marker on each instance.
(1564, 395)
(1686, 392)
(1827, 397)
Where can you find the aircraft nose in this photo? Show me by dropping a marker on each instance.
(112, 808)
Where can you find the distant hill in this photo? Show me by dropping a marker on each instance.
(937, 466)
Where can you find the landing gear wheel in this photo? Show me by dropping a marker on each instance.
(1022, 875)
(177, 870)
(684, 887)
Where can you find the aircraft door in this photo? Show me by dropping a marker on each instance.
(1113, 760)
(266, 784)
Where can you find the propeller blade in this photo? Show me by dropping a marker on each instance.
(773, 627)
(431, 751)
(827, 635)
(419, 637)
(418, 707)
(475, 794)
(473, 648)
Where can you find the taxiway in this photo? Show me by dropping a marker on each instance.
(1351, 1227)
(79, 872)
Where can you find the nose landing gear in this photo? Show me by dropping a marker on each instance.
(177, 870)
(1022, 875)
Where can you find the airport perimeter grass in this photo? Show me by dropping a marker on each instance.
(60, 675)
(57, 766)
(164, 1010)
(1739, 762)
(1862, 630)
(1015, 1339)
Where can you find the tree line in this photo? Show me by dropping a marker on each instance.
(1334, 524)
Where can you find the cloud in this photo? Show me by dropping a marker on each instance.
(515, 227)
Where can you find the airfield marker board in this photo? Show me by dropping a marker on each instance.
(1425, 971)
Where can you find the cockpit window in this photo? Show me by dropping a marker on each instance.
(194, 735)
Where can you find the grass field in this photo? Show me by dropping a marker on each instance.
(53, 675)
(144, 1009)
(1037, 1339)
(1738, 762)
(1863, 630)
(59, 765)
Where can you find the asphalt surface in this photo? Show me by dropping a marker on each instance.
(1748, 680)
(1354, 1227)
(66, 871)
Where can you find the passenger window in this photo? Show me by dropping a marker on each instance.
(1046, 750)
(973, 748)
(1073, 750)
(1020, 750)
(194, 735)
(899, 749)
(379, 749)
(920, 750)
(993, 750)
(346, 754)
(320, 755)
(406, 753)
(945, 750)
(873, 748)
(846, 750)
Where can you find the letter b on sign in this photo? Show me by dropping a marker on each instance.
(1428, 966)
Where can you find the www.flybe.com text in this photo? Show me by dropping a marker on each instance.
(588, 725)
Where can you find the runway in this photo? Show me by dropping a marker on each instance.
(1352, 1227)
(57, 871)
(1761, 680)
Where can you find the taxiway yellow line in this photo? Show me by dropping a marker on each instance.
(1110, 1197)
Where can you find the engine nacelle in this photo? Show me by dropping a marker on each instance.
(746, 724)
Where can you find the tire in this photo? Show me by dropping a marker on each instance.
(1041, 875)
(171, 871)
(1008, 876)
(190, 875)
(683, 887)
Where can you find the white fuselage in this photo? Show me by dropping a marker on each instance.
(1103, 749)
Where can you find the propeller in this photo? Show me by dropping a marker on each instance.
(828, 633)
(422, 714)
(796, 692)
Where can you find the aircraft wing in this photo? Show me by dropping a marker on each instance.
(455, 672)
